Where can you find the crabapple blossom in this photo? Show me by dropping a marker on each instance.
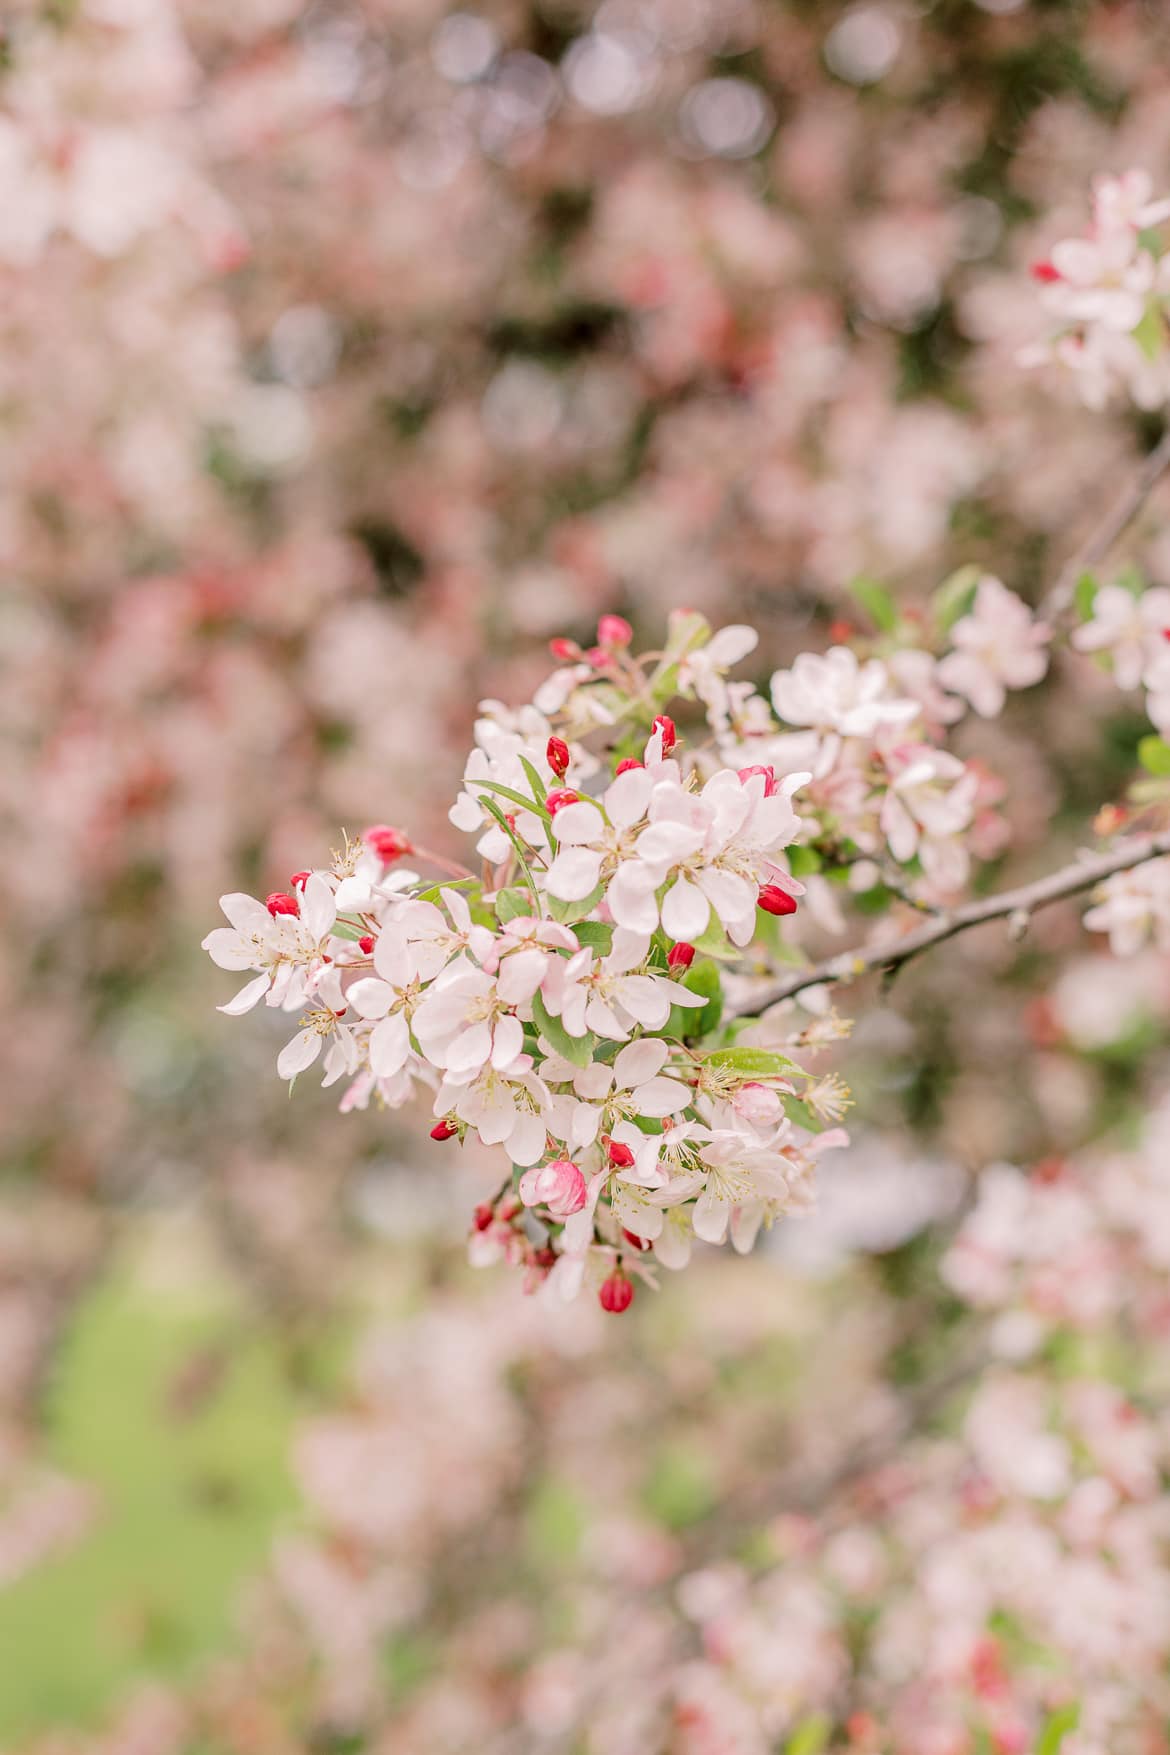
(996, 647)
(1131, 630)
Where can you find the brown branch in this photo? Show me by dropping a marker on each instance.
(1022, 902)
(1106, 533)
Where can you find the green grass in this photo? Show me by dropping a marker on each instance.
(177, 1412)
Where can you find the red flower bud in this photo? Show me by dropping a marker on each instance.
(279, 902)
(444, 1130)
(1045, 272)
(558, 756)
(626, 764)
(299, 879)
(841, 631)
(389, 844)
(665, 725)
(559, 799)
(681, 955)
(773, 900)
(563, 650)
(483, 1215)
(616, 1294)
(365, 944)
(621, 1157)
(614, 631)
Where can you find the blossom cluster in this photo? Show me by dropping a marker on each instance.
(568, 1004)
(1109, 291)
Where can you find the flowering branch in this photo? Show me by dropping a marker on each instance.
(1017, 905)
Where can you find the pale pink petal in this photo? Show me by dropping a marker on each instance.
(639, 1062)
(296, 1055)
(574, 874)
(578, 824)
(246, 998)
(389, 1046)
(371, 998)
(685, 911)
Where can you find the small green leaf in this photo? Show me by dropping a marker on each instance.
(955, 596)
(597, 934)
(1154, 755)
(1150, 333)
(569, 913)
(688, 1021)
(539, 789)
(490, 805)
(1057, 1728)
(876, 601)
(1085, 595)
(578, 1049)
(753, 1063)
(512, 904)
(714, 942)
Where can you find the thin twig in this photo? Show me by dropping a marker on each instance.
(1021, 902)
(1106, 533)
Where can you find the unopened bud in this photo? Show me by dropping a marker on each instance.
(389, 844)
(773, 900)
(559, 1186)
(1045, 272)
(627, 763)
(559, 799)
(444, 1130)
(299, 879)
(616, 1294)
(483, 1215)
(614, 631)
(564, 650)
(621, 1157)
(841, 631)
(280, 902)
(758, 1105)
(641, 1244)
(557, 753)
(665, 724)
(365, 944)
(681, 955)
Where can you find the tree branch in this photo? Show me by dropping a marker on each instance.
(1106, 533)
(1070, 880)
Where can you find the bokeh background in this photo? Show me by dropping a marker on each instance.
(348, 352)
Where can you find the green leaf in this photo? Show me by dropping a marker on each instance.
(521, 851)
(689, 1021)
(1057, 1728)
(797, 1110)
(525, 803)
(539, 789)
(597, 934)
(876, 601)
(512, 904)
(753, 1063)
(954, 597)
(714, 942)
(1085, 595)
(1150, 333)
(1154, 755)
(810, 1736)
(578, 1049)
(569, 913)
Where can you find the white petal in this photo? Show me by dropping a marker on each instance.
(639, 1062)
(631, 897)
(664, 844)
(246, 998)
(371, 998)
(318, 909)
(296, 1055)
(573, 874)
(228, 949)
(685, 911)
(626, 800)
(389, 1046)
(658, 1097)
(245, 913)
(520, 976)
(507, 1042)
(578, 823)
(469, 1049)
(526, 1140)
(709, 1217)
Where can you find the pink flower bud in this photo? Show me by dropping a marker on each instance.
(444, 1130)
(559, 799)
(483, 1215)
(564, 650)
(616, 1294)
(559, 1186)
(614, 631)
(558, 756)
(279, 902)
(626, 764)
(299, 879)
(666, 726)
(681, 955)
(389, 844)
(769, 774)
(773, 900)
(758, 1105)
